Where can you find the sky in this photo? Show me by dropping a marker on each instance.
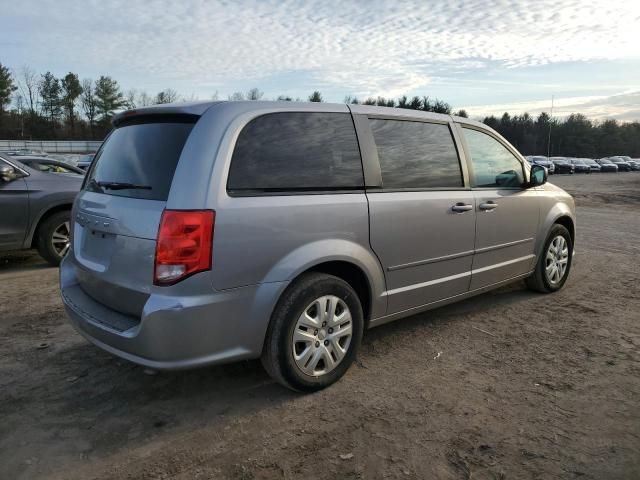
(484, 56)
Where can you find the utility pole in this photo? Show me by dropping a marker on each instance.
(550, 123)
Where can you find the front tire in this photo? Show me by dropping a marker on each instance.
(54, 237)
(314, 334)
(554, 264)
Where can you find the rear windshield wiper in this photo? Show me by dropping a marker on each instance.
(122, 186)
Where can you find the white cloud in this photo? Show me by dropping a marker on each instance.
(624, 106)
(360, 47)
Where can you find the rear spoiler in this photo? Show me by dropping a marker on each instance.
(187, 111)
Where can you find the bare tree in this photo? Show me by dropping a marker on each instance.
(88, 102)
(28, 85)
(144, 99)
(166, 96)
(131, 97)
(254, 94)
(235, 96)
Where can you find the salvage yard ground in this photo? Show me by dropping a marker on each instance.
(510, 384)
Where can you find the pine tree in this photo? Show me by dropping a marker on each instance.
(7, 87)
(108, 98)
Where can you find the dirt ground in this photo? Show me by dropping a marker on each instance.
(551, 390)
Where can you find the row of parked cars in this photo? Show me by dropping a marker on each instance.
(618, 163)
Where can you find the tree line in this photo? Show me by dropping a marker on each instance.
(43, 107)
(574, 136)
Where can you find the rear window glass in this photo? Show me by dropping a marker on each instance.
(142, 157)
(297, 151)
(416, 155)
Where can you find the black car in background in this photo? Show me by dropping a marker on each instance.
(622, 165)
(579, 165)
(607, 165)
(633, 165)
(562, 165)
(541, 160)
(593, 165)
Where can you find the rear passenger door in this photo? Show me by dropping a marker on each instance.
(507, 213)
(422, 219)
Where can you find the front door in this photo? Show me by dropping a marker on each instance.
(422, 221)
(507, 213)
(14, 220)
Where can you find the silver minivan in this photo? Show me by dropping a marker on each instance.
(214, 232)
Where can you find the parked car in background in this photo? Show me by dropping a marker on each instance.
(84, 162)
(593, 165)
(579, 165)
(24, 151)
(562, 165)
(543, 161)
(47, 164)
(633, 164)
(622, 165)
(35, 200)
(274, 230)
(607, 165)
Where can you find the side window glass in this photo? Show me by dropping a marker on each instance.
(493, 164)
(416, 155)
(296, 152)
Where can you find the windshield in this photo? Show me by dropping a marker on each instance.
(139, 160)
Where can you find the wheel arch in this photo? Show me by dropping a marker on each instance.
(567, 222)
(561, 214)
(354, 276)
(32, 239)
(350, 261)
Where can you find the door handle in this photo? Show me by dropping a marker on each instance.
(490, 205)
(461, 207)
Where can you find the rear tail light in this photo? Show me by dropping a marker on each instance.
(184, 246)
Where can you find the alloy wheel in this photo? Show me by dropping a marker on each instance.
(60, 240)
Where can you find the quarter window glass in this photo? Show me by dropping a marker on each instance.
(296, 151)
(416, 154)
(493, 164)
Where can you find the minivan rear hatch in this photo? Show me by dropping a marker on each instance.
(118, 211)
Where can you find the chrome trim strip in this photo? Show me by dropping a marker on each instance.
(444, 301)
(431, 260)
(457, 276)
(503, 245)
(503, 264)
(427, 284)
(458, 255)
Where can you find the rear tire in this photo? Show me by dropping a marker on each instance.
(51, 242)
(546, 278)
(314, 334)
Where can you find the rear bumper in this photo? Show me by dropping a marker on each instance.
(175, 332)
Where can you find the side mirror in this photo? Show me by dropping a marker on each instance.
(7, 173)
(538, 175)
